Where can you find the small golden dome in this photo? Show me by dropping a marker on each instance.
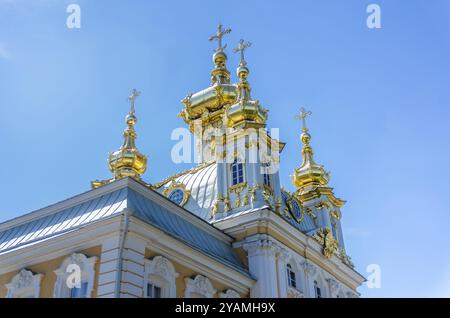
(246, 112)
(127, 161)
(309, 174)
(219, 58)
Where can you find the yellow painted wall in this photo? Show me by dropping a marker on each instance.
(185, 272)
(49, 277)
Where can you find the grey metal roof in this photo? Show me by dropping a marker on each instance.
(64, 220)
(108, 204)
(188, 233)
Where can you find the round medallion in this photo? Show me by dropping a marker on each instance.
(176, 196)
(296, 210)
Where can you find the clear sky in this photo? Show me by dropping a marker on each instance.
(379, 97)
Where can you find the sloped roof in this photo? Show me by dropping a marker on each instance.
(108, 201)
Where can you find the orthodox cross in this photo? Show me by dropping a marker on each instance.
(302, 116)
(132, 98)
(218, 36)
(243, 45)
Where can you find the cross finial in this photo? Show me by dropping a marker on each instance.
(132, 98)
(243, 45)
(302, 116)
(218, 36)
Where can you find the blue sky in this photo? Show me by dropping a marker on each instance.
(380, 103)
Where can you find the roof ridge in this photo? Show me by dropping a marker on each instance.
(179, 174)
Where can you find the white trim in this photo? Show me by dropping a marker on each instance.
(25, 284)
(87, 267)
(160, 272)
(199, 286)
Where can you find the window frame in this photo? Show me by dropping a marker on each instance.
(238, 163)
(87, 267)
(161, 273)
(291, 276)
(317, 290)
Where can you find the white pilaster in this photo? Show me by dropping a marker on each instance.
(109, 265)
(262, 265)
(132, 282)
(282, 256)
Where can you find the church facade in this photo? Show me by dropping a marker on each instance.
(224, 228)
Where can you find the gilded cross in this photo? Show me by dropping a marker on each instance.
(218, 36)
(132, 98)
(243, 45)
(302, 116)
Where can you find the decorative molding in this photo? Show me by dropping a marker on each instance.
(309, 268)
(160, 272)
(261, 247)
(25, 284)
(325, 237)
(200, 285)
(294, 293)
(334, 285)
(177, 185)
(229, 293)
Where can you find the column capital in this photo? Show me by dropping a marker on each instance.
(334, 285)
(309, 268)
(261, 247)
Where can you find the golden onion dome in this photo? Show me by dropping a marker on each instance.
(127, 161)
(246, 112)
(209, 103)
(309, 174)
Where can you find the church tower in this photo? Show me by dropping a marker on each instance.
(317, 198)
(230, 131)
(292, 242)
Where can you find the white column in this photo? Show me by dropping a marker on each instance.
(262, 265)
(132, 282)
(130, 266)
(282, 257)
(109, 265)
(308, 287)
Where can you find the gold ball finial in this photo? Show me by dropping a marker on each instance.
(305, 137)
(219, 59)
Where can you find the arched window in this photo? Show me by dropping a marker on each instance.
(292, 281)
(317, 290)
(160, 276)
(237, 172)
(75, 277)
(266, 174)
(199, 287)
(25, 284)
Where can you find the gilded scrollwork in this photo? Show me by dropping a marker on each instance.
(328, 242)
